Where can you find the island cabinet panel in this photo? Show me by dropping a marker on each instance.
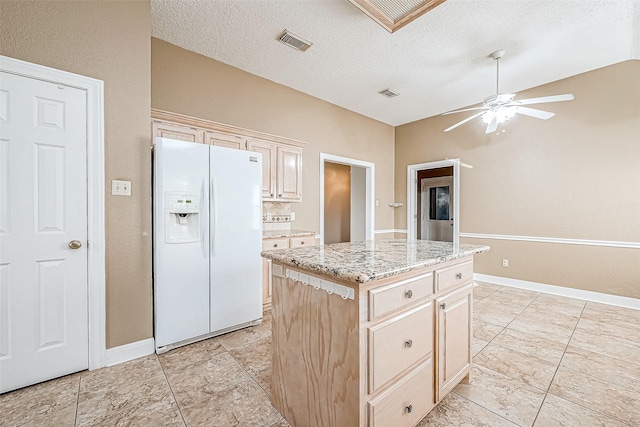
(454, 334)
(315, 379)
(406, 402)
(398, 343)
(454, 276)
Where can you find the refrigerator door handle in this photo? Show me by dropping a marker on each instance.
(203, 243)
(214, 217)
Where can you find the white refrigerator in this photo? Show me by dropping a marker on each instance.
(207, 239)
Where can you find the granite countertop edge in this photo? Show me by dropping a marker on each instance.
(350, 274)
(275, 234)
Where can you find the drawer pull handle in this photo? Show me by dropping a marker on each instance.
(459, 276)
(443, 305)
(409, 409)
(408, 343)
(408, 294)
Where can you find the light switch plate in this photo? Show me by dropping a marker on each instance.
(293, 216)
(120, 188)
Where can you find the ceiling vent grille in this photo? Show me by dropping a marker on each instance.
(294, 40)
(389, 93)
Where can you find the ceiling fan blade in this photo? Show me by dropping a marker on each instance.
(543, 99)
(464, 121)
(533, 112)
(492, 126)
(464, 109)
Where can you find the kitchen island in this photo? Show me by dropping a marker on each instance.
(369, 333)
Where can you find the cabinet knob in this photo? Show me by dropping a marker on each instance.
(408, 343)
(409, 409)
(459, 276)
(408, 294)
(443, 305)
(275, 245)
(271, 194)
(280, 195)
(302, 243)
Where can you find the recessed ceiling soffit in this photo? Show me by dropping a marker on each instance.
(395, 14)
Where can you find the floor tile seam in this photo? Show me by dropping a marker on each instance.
(589, 408)
(588, 374)
(511, 377)
(560, 362)
(626, 340)
(526, 354)
(183, 366)
(193, 405)
(243, 345)
(75, 415)
(260, 385)
(166, 378)
(100, 392)
(602, 354)
(485, 408)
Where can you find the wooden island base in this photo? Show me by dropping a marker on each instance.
(383, 357)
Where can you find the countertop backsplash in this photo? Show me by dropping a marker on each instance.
(276, 216)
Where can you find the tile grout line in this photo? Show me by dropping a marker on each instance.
(75, 417)
(171, 390)
(560, 362)
(487, 409)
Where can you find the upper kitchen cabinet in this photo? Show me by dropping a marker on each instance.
(225, 140)
(281, 170)
(175, 131)
(281, 157)
(289, 173)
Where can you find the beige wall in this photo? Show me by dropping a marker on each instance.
(110, 41)
(188, 83)
(575, 176)
(337, 203)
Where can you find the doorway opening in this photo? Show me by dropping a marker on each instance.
(346, 199)
(433, 201)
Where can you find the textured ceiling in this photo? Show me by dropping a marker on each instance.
(437, 63)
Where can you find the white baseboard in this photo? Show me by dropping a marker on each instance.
(391, 230)
(134, 350)
(560, 290)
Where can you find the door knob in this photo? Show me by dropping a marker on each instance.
(75, 244)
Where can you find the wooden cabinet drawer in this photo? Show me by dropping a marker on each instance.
(275, 244)
(299, 242)
(398, 343)
(398, 295)
(406, 402)
(453, 276)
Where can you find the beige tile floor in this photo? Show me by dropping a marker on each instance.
(540, 360)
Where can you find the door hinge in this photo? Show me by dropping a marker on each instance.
(87, 244)
(246, 145)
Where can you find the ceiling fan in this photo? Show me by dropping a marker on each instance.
(500, 107)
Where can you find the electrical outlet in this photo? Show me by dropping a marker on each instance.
(505, 262)
(120, 188)
(293, 216)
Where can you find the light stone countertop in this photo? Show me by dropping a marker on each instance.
(273, 234)
(362, 262)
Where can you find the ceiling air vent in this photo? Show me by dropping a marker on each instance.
(389, 93)
(294, 40)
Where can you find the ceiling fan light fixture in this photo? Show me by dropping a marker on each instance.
(500, 114)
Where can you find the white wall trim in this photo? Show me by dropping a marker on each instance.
(560, 290)
(95, 192)
(584, 242)
(370, 189)
(134, 350)
(412, 199)
(391, 230)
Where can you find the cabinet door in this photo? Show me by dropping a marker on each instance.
(174, 131)
(224, 140)
(289, 173)
(268, 151)
(454, 317)
(266, 283)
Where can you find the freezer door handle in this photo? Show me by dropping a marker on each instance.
(214, 217)
(202, 219)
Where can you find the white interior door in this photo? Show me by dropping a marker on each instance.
(43, 218)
